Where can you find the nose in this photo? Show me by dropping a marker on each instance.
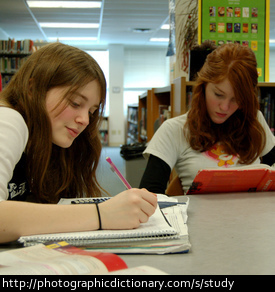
(83, 118)
(225, 105)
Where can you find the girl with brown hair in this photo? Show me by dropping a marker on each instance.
(50, 114)
(223, 128)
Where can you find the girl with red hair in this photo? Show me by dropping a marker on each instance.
(223, 128)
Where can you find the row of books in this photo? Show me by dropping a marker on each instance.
(11, 46)
(132, 114)
(143, 124)
(268, 109)
(104, 135)
(4, 81)
(11, 64)
(132, 133)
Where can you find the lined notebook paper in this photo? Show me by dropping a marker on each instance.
(156, 228)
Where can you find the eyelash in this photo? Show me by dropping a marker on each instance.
(218, 95)
(76, 105)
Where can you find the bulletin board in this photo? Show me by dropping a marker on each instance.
(242, 21)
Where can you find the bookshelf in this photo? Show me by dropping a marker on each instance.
(267, 102)
(142, 116)
(104, 131)
(152, 106)
(9, 65)
(13, 54)
(132, 124)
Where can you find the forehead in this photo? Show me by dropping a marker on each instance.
(91, 92)
(225, 86)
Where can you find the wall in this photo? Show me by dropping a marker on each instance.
(145, 67)
(116, 76)
(132, 70)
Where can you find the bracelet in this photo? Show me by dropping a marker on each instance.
(99, 218)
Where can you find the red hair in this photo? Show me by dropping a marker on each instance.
(241, 134)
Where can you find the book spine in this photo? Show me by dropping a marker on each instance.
(267, 181)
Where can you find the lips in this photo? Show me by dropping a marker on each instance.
(73, 132)
(221, 115)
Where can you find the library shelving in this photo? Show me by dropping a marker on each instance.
(267, 102)
(152, 105)
(9, 64)
(13, 54)
(132, 124)
(104, 131)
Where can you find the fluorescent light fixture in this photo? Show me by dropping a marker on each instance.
(69, 25)
(159, 40)
(272, 41)
(64, 4)
(165, 26)
(72, 38)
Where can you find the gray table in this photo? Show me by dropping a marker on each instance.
(230, 234)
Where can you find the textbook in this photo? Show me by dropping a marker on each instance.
(251, 178)
(60, 258)
(165, 232)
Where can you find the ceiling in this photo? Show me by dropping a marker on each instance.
(117, 19)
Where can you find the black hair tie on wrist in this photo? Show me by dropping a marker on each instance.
(99, 218)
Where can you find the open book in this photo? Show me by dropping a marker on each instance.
(251, 178)
(62, 259)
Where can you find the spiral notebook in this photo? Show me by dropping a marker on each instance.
(156, 228)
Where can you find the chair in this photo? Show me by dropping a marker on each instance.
(175, 188)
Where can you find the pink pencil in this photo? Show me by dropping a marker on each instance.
(121, 177)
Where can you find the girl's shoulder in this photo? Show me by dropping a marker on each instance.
(174, 126)
(178, 121)
(13, 120)
(10, 114)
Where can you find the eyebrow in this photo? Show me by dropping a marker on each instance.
(82, 96)
(219, 89)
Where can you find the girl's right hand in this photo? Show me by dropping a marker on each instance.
(127, 209)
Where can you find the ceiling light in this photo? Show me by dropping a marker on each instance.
(159, 40)
(165, 26)
(69, 25)
(72, 38)
(64, 4)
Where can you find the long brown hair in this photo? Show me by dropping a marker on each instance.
(241, 134)
(54, 172)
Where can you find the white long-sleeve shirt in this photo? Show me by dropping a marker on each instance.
(13, 140)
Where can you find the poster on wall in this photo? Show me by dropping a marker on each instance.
(241, 21)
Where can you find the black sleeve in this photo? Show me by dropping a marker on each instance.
(156, 175)
(269, 158)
